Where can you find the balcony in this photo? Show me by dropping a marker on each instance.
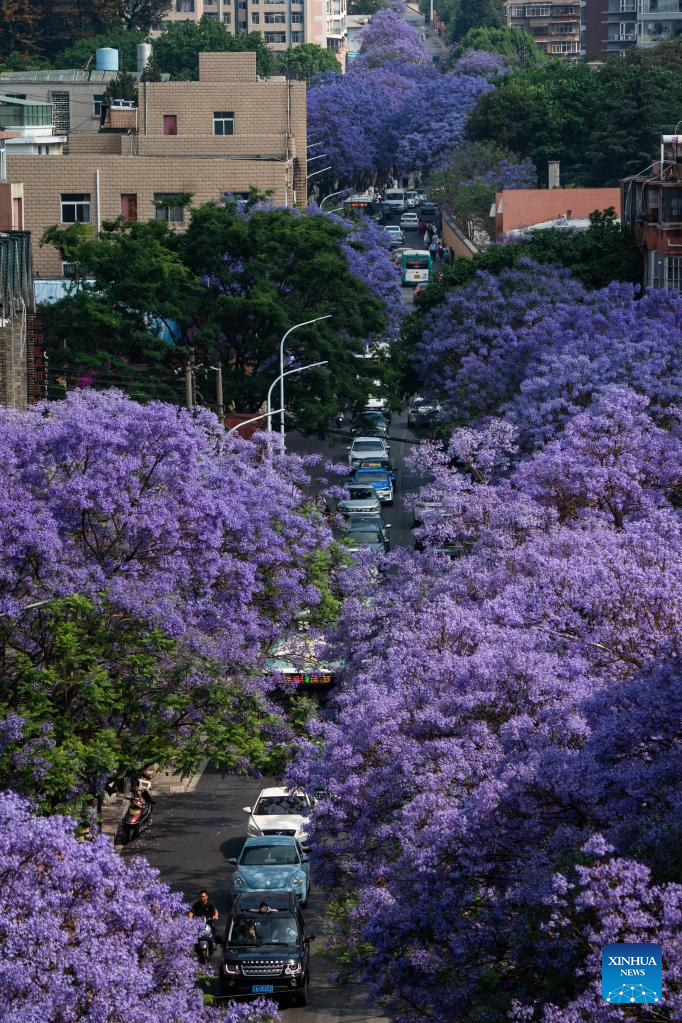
(661, 7)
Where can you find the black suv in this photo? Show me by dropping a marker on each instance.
(266, 949)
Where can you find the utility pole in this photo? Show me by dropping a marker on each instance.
(219, 400)
(189, 381)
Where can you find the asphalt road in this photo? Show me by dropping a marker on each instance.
(402, 441)
(193, 835)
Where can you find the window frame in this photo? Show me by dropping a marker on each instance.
(223, 118)
(171, 214)
(77, 200)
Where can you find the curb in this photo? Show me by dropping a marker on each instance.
(162, 785)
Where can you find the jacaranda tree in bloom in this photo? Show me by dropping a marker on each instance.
(500, 776)
(86, 935)
(147, 562)
(532, 343)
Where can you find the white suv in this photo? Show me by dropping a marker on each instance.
(365, 449)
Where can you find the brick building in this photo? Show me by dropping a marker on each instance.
(516, 208)
(228, 132)
(76, 97)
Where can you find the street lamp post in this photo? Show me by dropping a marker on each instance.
(280, 378)
(281, 366)
(247, 422)
(331, 196)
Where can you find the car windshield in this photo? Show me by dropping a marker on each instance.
(268, 856)
(364, 535)
(249, 930)
(280, 805)
(367, 445)
(361, 493)
(375, 477)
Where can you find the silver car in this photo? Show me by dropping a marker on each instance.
(365, 449)
(362, 500)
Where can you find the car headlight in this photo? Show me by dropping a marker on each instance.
(252, 830)
(238, 881)
(292, 968)
(297, 880)
(232, 967)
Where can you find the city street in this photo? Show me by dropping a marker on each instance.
(193, 835)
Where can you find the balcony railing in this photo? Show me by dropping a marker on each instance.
(661, 7)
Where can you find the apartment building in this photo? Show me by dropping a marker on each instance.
(26, 128)
(226, 133)
(554, 26)
(652, 205)
(657, 21)
(282, 23)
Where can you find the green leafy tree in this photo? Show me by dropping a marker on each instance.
(106, 332)
(467, 186)
(306, 61)
(103, 696)
(79, 53)
(177, 51)
(513, 43)
(141, 15)
(268, 270)
(476, 14)
(123, 86)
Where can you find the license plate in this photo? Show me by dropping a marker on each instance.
(262, 989)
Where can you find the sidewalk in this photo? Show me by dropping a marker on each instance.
(164, 783)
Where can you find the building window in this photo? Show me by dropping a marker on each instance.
(209, 3)
(97, 101)
(255, 18)
(129, 205)
(70, 270)
(75, 208)
(165, 210)
(297, 37)
(223, 123)
(567, 47)
(518, 12)
(275, 37)
(227, 18)
(296, 17)
(170, 124)
(242, 5)
(185, 6)
(274, 19)
(539, 11)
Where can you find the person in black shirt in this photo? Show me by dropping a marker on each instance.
(202, 907)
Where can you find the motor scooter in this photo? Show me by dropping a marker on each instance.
(205, 946)
(339, 419)
(138, 816)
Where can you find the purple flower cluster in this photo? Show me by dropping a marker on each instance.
(481, 64)
(501, 772)
(392, 109)
(101, 495)
(85, 934)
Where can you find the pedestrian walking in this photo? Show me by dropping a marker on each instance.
(446, 256)
(433, 250)
(427, 238)
(452, 256)
(439, 249)
(421, 227)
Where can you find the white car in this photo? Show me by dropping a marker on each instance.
(280, 811)
(395, 235)
(409, 221)
(365, 449)
(361, 500)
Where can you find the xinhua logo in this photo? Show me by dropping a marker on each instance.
(631, 973)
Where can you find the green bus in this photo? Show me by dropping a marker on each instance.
(416, 267)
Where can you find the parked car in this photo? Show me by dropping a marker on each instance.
(361, 500)
(369, 532)
(423, 412)
(280, 811)
(367, 448)
(409, 221)
(395, 235)
(379, 478)
(273, 861)
(266, 948)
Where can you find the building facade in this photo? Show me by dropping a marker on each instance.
(226, 133)
(555, 27)
(652, 205)
(26, 126)
(657, 21)
(282, 23)
(517, 208)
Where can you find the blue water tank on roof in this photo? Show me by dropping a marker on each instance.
(106, 59)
